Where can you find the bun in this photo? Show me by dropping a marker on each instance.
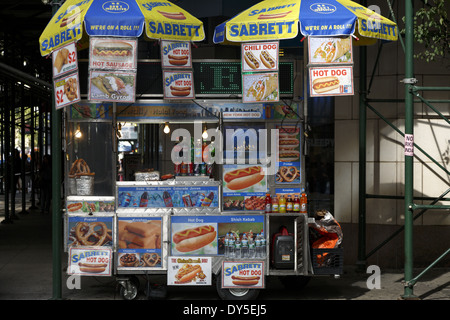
(194, 238)
(325, 84)
(267, 59)
(243, 178)
(251, 60)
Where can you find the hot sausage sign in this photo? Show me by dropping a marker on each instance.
(331, 81)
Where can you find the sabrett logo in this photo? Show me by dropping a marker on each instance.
(270, 28)
(264, 10)
(86, 254)
(172, 46)
(243, 266)
(65, 35)
(377, 27)
(175, 29)
(70, 9)
(150, 5)
(177, 76)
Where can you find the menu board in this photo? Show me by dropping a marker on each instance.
(139, 242)
(260, 87)
(176, 54)
(259, 56)
(89, 231)
(112, 86)
(112, 54)
(67, 90)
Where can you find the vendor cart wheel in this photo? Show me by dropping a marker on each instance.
(129, 288)
(294, 282)
(236, 293)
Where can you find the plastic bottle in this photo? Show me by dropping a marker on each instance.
(251, 247)
(226, 245)
(268, 206)
(303, 204)
(263, 245)
(231, 244)
(275, 204)
(144, 200)
(167, 199)
(244, 246)
(237, 247)
(289, 204)
(258, 253)
(296, 204)
(282, 204)
(207, 201)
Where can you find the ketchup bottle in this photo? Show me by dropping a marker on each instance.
(303, 203)
(268, 204)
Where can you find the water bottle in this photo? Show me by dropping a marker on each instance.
(244, 247)
(263, 245)
(231, 244)
(251, 248)
(237, 247)
(258, 253)
(226, 245)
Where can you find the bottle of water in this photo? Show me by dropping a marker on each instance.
(237, 247)
(251, 247)
(226, 245)
(231, 244)
(244, 247)
(258, 253)
(263, 245)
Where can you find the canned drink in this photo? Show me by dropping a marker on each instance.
(203, 169)
(184, 169)
(187, 200)
(196, 169)
(177, 168)
(209, 169)
(200, 198)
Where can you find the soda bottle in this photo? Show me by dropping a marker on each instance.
(303, 203)
(167, 199)
(144, 200)
(263, 245)
(275, 204)
(282, 204)
(244, 246)
(268, 203)
(237, 247)
(231, 244)
(296, 204)
(258, 247)
(207, 201)
(289, 204)
(251, 247)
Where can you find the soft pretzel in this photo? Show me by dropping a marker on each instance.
(288, 173)
(87, 234)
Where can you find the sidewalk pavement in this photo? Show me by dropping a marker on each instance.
(26, 274)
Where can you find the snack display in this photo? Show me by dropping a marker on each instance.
(243, 178)
(140, 235)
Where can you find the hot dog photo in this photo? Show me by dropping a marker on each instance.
(178, 84)
(261, 56)
(110, 53)
(237, 178)
(190, 270)
(176, 54)
(188, 238)
(331, 81)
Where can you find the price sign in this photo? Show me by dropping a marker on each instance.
(176, 54)
(64, 60)
(178, 85)
(67, 90)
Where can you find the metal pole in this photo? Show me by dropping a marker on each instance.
(362, 158)
(56, 192)
(409, 129)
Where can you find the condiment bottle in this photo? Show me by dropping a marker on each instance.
(303, 203)
(282, 204)
(268, 203)
(275, 204)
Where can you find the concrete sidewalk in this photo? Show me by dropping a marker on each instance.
(26, 274)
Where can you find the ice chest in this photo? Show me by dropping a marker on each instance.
(283, 249)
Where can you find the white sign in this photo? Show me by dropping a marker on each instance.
(176, 54)
(330, 50)
(67, 90)
(260, 87)
(331, 81)
(64, 60)
(243, 274)
(178, 85)
(90, 261)
(112, 86)
(261, 56)
(112, 54)
(191, 271)
(409, 145)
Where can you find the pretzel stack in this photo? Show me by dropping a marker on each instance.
(80, 168)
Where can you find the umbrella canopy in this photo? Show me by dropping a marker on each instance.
(122, 18)
(281, 19)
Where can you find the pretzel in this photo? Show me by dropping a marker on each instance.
(84, 232)
(80, 167)
(151, 259)
(288, 173)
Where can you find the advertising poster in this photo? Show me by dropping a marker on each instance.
(176, 54)
(260, 87)
(283, 111)
(244, 187)
(90, 261)
(286, 192)
(91, 206)
(139, 242)
(190, 271)
(289, 154)
(67, 90)
(64, 60)
(205, 235)
(330, 50)
(168, 197)
(259, 56)
(331, 81)
(178, 84)
(112, 53)
(90, 231)
(83, 110)
(243, 274)
(112, 86)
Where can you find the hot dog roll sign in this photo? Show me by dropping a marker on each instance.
(176, 54)
(261, 56)
(331, 81)
(178, 85)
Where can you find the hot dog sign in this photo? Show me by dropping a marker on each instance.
(178, 85)
(259, 56)
(331, 81)
(176, 54)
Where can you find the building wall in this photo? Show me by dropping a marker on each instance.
(385, 158)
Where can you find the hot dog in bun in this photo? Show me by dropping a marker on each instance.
(92, 267)
(251, 60)
(180, 91)
(289, 155)
(194, 238)
(325, 84)
(187, 273)
(178, 60)
(243, 178)
(74, 206)
(267, 59)
(112, 49)
(245, 281)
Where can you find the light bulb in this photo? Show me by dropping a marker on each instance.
(166, 128)
(205, 134)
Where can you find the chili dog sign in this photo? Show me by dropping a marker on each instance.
(176, 54)
(178, 85)
(260, 56)
(331, 81)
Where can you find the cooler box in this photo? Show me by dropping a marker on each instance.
(283, 248)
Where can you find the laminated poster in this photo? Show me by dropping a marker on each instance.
(90, 261)
(67, 90)
(112, 53)
(112, 86)
(176, 54)
(259, 56)
(190, 271)
(64, 60)
(260, 87)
